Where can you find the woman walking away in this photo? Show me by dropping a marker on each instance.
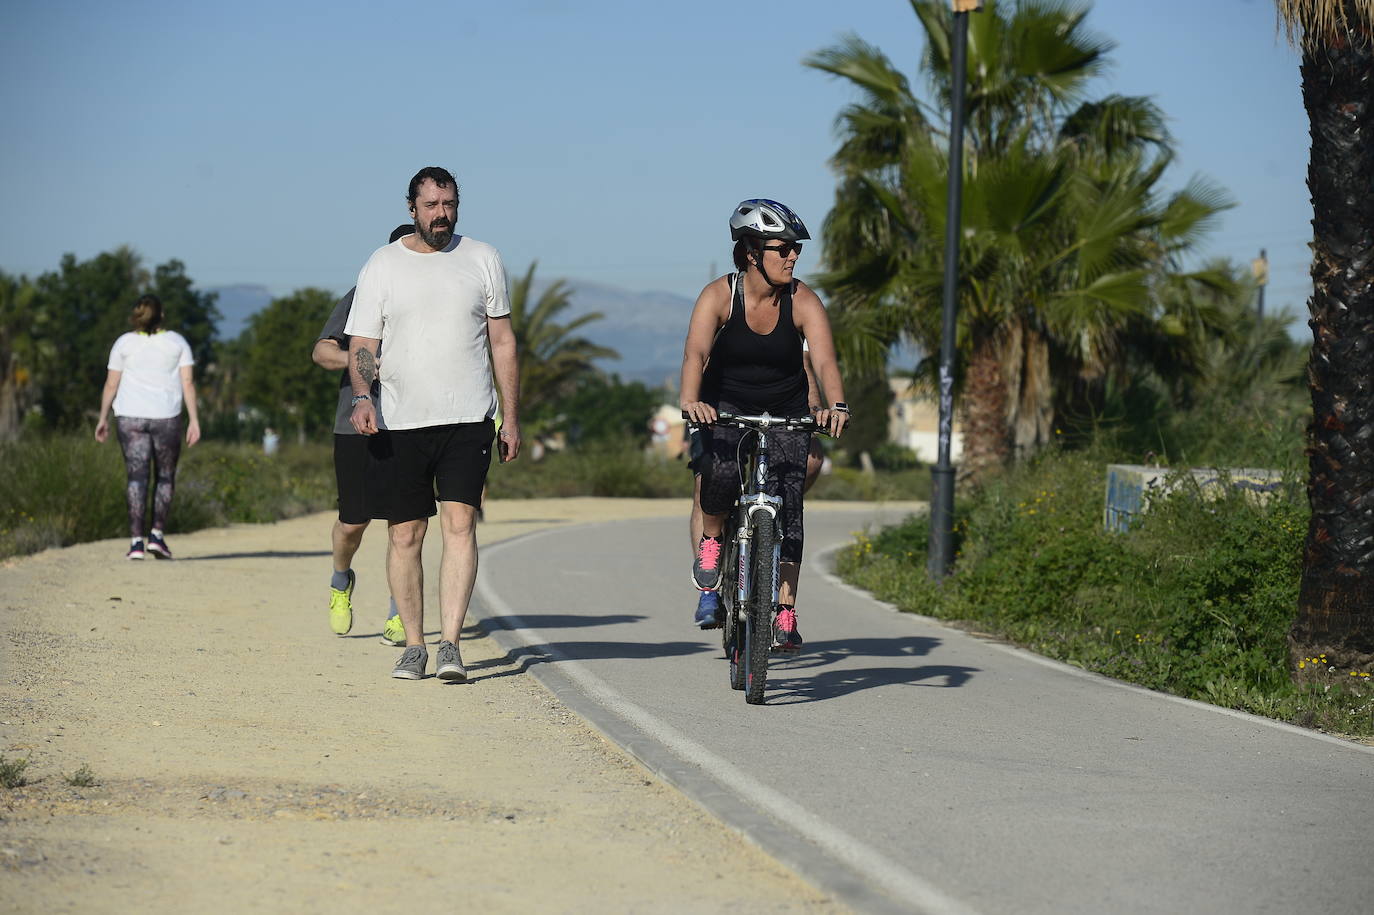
(148, 381)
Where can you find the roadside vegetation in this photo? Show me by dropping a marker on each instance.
(1196, 600)
(1090, 334)
(62, 489)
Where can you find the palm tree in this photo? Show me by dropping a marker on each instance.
(1336, 597)
(552, 358)
(1065, 231)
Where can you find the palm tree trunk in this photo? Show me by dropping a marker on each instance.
(1336, 600)
(1030, 391)
(987, 446)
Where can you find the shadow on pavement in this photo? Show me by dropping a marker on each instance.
(265, 554)
(830, 684)
(824, 652)
(786, 687)
(520, 660)
(565, 620)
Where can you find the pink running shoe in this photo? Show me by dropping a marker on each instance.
(786, 638)
(706, 568)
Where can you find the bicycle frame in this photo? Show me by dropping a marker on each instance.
(752, 526)
(754, 500)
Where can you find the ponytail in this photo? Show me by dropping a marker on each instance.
(147, 314)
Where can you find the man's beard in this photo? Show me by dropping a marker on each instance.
(437, 239)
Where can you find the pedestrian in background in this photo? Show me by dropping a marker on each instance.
(148, 382)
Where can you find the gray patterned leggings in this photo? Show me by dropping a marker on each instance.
(720, 477)
(145, 442)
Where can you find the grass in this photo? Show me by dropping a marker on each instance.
(1196, 601)
(12, 772)
(81, 778)
(65, 489)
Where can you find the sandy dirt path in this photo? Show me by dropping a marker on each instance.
(247, 759)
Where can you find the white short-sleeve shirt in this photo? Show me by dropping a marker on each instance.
(150, 383)
(432, 310)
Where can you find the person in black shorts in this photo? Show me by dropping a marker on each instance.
(744, 355)
(439, 299)
(350, 473)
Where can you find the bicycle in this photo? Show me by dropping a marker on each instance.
(749, 557)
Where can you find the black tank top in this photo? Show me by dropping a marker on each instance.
(757, 372)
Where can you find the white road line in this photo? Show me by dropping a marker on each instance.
(864, 859)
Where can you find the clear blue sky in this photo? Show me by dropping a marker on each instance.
(271, 142)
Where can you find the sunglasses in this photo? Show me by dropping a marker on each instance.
(785, 249)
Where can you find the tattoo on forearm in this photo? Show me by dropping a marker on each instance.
(367, 366)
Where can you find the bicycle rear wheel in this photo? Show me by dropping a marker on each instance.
(758, 638)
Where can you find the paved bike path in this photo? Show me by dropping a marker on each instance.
(910, 767)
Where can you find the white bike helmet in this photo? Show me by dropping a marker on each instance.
(762, 218)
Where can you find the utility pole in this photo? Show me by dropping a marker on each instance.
(1260, 268)
(941, 550)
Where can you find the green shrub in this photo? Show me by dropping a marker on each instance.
(12, 772)
(81, 778)
(850, 483)
(1196, 600)
(58, 490)
(616, 468)
(64, 489)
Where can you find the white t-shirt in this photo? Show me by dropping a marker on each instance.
(150, 386)
(432, 310)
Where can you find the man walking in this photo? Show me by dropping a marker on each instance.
(439, 299)
(350, 467)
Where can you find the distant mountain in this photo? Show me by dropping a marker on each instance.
(237, 304)
(646, 328)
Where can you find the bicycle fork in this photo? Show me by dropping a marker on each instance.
(758, 504)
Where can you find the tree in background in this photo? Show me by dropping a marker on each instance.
(1336, 599)
(190, 313)
(553, 358)
(26, 341)
(1066, 234)
(56, 332)
(88, 305)
(273, 371)
(602, 408)
(1238, 399)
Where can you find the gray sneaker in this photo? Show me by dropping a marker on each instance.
(449, 663)
(412, 664)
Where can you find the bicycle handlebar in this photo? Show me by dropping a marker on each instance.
(767, 421)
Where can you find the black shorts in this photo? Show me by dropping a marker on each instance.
(350, 474)
(407, 467)
(696, 447)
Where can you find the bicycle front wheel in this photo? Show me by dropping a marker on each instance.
(758, 634)
(732, 633)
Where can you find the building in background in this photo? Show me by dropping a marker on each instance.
(913, 420)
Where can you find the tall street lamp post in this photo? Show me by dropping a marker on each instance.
(941, 556)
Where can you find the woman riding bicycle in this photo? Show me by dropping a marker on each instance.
(744, 355)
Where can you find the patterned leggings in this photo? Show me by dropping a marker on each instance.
(720, 477)
(145, 441)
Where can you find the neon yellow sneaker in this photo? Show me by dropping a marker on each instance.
(341, 606)
(394, 632)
